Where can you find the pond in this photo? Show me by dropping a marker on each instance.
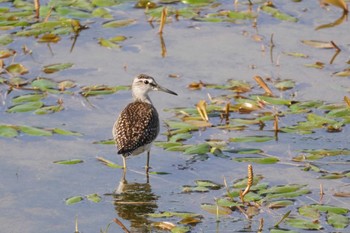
(272, 78)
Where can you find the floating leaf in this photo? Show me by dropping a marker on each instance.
(198, 149)
(264, 160)
(252, 139)
(309, 211)
(17, 69)
(48, 69)
(303, 224)
(288, 194)
(49, 109)
(343, 73)
(8, 131)
(108, 43)
(94, 198)
(337, 220)
(44, 84)
(7, 53)
(26, 107)
(33, 131)
(105, 3)
(285, 84)
(280, 204)
(101, 90)
(331, 209)
(167, 214)
(215, 209)
(5, 39)
(118, 23)
(278, 14)
(108, 163)
(49, 38)
(318, 44)
(69, 162)
(28, 98)
(295, 54)
(74, 200)
(66, 84)
(208, 184)
(282, 189)
(273, 100)
(66, 132)
(338, 3)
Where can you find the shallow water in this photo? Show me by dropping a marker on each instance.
(34, 189)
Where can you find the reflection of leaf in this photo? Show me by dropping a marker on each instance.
(333, 24)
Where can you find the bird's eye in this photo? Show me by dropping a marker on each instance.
(146, 82)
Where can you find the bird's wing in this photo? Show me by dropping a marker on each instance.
(137, 125)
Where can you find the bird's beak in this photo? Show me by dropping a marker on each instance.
(160, 88)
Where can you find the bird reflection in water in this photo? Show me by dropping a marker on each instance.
(133, 201)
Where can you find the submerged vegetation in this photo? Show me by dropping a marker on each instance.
(242, 123)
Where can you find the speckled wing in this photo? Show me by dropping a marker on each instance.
(137, 125)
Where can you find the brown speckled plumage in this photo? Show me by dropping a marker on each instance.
(137, 125)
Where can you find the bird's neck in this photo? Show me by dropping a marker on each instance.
(142, 98)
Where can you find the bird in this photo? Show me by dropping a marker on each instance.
(137, 126)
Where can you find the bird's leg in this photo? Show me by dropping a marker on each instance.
(147, 163)
(124, 162)
(124, 168)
